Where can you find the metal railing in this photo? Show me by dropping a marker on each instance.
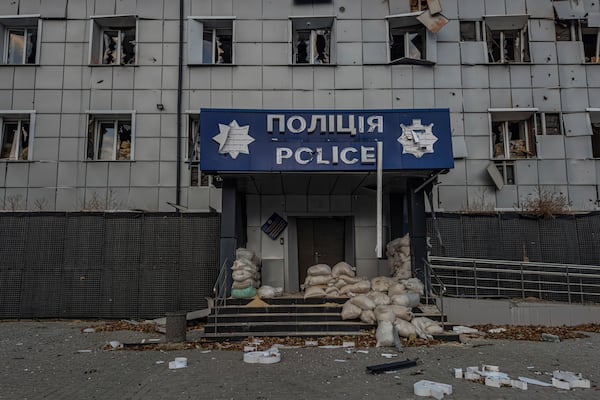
(481, 278)
(220, 292)
(438, 290)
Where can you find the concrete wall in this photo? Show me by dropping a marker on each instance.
(63, 86)
(472, 312)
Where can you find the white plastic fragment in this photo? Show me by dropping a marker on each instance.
(458, 373)
(115, 344)
(517, 384)
(426, 388)
(348, 344)
(492, 381)
(574, 380)
(270, 356)
(497, 330)
(89, 330)
(363, 351)
(491, 368)
(311, 343)
(557, 383)
(464, 329)
(248, 349)
(178, 363)
(534, 381)
(84, 351)
(389, 355)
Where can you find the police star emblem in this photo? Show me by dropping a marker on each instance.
(233, 139)
(417, 139)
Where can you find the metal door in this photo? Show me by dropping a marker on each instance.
(320, 241)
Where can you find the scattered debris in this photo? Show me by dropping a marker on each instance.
(339, 360)
(115, 344)
(569, 380)
(534, 332)
(89, 330)
(395, 366)
(533, 381)
(464, 329)
(270, 356)
(437, 390)
(179, 362)
(84, 351)
(389, 355)
(547, 337)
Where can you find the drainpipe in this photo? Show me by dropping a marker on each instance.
(179, 107)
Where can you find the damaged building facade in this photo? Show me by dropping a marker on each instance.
(98, 114)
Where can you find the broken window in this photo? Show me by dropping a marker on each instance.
(418, 5)
(15, 139)
(470, 31)
(513, 134)
(591, 44)
(507, 171)
(118, 46)
(548, 123)
(19, 40)
(596, 139)
(210, 40)
(566, 30)
(410, 41)
(109, 137)
(312, 40)
(114, 40)
(507, 39)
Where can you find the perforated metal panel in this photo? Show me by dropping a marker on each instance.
(13, 239)
(482, 237)
(520, 239)
(10, 293)
(123, 233)
(120, 291)
(159, 292)
(450, 227)
(160, 242)
(81, 293)
(558, 240)
(84, 241)
(588, 235)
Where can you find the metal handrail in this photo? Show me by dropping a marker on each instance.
(483, 277)
(442, 290)
(220, 292)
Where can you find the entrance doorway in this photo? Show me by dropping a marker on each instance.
(320, 241)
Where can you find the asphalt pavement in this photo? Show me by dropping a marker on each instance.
(56, 360)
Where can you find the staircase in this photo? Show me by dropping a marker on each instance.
(292, 316)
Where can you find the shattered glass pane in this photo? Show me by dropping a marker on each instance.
(498, 132)
(9, 144)
(110, 44)
(16, 46)
(468, 31)
(128, 46)
(91, 139)
(552, 124)
(31, 51)
(563, 31)
(590, 43)
(596, 140)
(123, 141)
(223, 43)
(302, 47)
(321, 46)
(24, 141)
(416, 45)
(397, 46)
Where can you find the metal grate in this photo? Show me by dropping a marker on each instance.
(10, 293)
(158, 292)
(558, 240)
(520, 239)
(81, 293)
(588, 235)
(13, 239)
(84, 241)
(482, 237)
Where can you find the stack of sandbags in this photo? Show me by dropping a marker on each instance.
(317, 281)
(245, 274)
(268, 292)
(398, 253)
(346, 282)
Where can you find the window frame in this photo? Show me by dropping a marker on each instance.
(594, 119)
(505, 24)
(197, 25)
(20, 22)
(542, 121)
(583, 28)
(102, 23)
(7, 116)
(197, 178)
(405, 22)
(478, 29)
(312, 24)
(104, 116)
(518, 116)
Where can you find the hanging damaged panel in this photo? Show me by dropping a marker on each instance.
(569, 9)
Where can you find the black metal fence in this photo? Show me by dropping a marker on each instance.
(106, 265)
(572, 239)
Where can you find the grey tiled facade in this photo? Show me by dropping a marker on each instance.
(62, 90)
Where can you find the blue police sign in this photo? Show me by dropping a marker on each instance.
(324, 140)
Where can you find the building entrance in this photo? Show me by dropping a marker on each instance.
(320, 241)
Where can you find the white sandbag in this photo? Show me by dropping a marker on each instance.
(244, 284)
(314, 292)
(350, 311)
(266, 292)
(339, 284)
(402, 312)
(385, 334)
(242, 275)
(332, 292)
(405, 250)
(405, 328)
(414, 285)
(359, 287)
(408, 299)
(243, 264)
(396, 289)
(380, 284)
(364, 302)
(278, 291)
(342, 268)
(384, 313)
(313, 280)
(379, 298)
(403, 271)
(368, 317)
(349, 279)
(242, 253)
(427, 325)
(319, 269)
